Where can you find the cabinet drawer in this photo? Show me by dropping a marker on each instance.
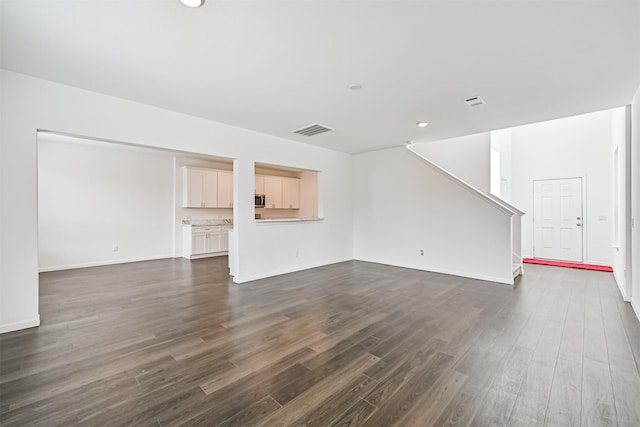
(207, 229)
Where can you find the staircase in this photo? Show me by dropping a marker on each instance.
(511, 246)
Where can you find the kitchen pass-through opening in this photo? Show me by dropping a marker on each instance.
(283, 192)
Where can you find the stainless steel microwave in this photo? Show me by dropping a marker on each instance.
(260, 200)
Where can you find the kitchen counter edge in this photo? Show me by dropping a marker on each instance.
(281, 220)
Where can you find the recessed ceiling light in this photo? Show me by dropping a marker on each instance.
(192, 3)
(422, 124)
(355, 86)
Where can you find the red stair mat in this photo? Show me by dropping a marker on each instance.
(568, 264)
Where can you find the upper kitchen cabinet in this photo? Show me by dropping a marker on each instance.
(259, 184)
(273, 192)
(200, 188)
(290, 193)
(207, 188)
(280, 192)
(225, 189)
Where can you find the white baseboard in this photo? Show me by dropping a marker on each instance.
(16, 326)
(507, 280)
(635, 307)
(101, 263)
(244, 279)
(620, 287)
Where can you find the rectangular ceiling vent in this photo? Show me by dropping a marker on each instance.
(313, 129)
(475, 101)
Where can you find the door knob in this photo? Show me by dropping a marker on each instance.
(578, 218)
(578, 224)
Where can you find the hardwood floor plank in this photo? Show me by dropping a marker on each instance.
(237, 396)
(572, 343)
(393, 405)
(598, 404)
(566, 394)
(249, 416)
(496, 408)
(313, 397)
(338, 404)
(311, 378)
(356, 415)
(626, 391)
(595, 343)
(432, 404)
(463, 407)
(395, 379)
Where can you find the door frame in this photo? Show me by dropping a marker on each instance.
(583, 190)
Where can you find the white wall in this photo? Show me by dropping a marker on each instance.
(621, 180)
(501, 142)
(578, 146)
(403, 206)
(466, 157)
(93, 196)
(635, 202)
(28, 104)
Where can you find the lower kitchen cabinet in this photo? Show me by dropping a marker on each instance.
(203, 241)
(225, 237)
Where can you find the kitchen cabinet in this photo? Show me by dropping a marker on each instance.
(273, 192)
(200, 188)
(199, 242)
(225, 237)
(207, 188)
(259, 184)
(280, 192)
(225, 189)
(290, 193)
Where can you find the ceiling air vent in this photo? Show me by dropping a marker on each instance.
(475, 101)
(313, 129)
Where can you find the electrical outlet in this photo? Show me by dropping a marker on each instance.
(297, 254)
(115, 248)
(421, 251)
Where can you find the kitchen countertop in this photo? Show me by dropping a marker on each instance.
(206, 222)
(278, 220)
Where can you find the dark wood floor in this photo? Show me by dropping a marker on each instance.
(173, 342)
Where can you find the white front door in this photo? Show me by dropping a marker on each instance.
(557, 219)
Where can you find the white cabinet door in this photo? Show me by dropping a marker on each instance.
(259, 184)
(225, 189)
(210, 189)
(192, 197)
(198, 243)
(273, 192)
(200, 188)
(214, 240)
(225, 237)
(201, 241)
(290, 193)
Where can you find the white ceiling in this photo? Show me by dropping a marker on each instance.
(277, 65)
